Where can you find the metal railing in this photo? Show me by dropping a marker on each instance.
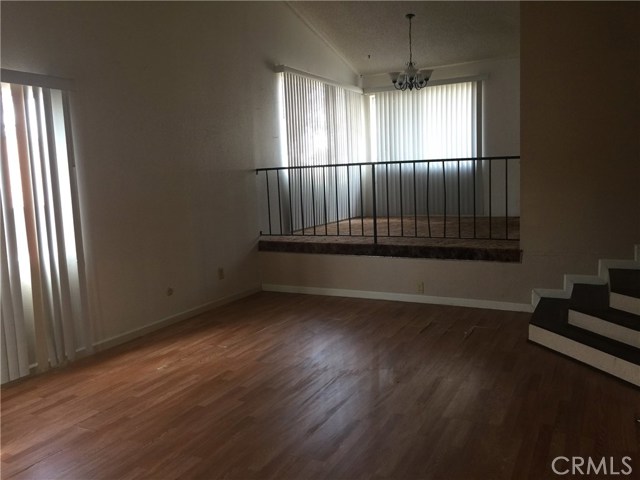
(463, 198)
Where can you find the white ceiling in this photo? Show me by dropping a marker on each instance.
(374, 36)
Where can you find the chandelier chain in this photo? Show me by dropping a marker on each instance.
(410, 48)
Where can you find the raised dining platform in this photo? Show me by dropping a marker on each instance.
(496, 243)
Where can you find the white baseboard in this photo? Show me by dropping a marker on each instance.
(138, 332)
(615, 366)
(400, 297)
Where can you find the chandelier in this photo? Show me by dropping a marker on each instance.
(411, 78)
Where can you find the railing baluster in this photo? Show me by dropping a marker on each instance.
(361, 201)
(375, 206)
(444, 184)
(312, 176)
(415, 202)
(349, 199)
(289, 174)
(459, 223)
(279, 200)
(335, 176)
(506, 198)
(301, 202)
(268, 202)
(324, 193)
(428, 193)
(258, 174)
(474, 198)
(401, 201)
(490, 195)
(388, 220)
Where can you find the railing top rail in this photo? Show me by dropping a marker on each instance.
(393, 162)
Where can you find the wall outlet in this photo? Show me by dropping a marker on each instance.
(420, 287)
(220, 273)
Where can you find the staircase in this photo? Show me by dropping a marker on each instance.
(594, 319)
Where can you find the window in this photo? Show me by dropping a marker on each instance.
(431, 123)
(43, 298)
(322, 125)
(422, 147)
(437, 122)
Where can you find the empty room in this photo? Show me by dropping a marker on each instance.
(337, 240)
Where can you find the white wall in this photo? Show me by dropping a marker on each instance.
(580, 142)
(175, 104)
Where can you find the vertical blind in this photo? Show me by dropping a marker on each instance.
(437, 122)
(323, 125)
(43, 295)
(434, 122)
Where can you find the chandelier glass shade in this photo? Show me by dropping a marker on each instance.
(411, 77)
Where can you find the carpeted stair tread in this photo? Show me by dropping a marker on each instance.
(552, 314)
(589, 296)
(625, 281)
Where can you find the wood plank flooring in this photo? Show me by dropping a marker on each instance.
(289, 386)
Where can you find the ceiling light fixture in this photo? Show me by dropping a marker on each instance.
(411, 78)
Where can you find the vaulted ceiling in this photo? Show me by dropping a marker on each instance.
(373, 37)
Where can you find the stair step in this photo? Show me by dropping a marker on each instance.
(549, 327)
(625, 289)
(625, 303)
(589, 296)
(625, 281)
(611, 323)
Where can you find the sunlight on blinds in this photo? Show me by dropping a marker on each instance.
(434, 122)
(322, 125)
(437, 122)
(43, 298)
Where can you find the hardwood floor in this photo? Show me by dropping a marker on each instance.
(293, 387)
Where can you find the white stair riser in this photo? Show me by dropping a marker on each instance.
(606, 264)
(538, 293)
(570, 280)
(566, 290)
(602, 361)
(604, 328)
(625, 303)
